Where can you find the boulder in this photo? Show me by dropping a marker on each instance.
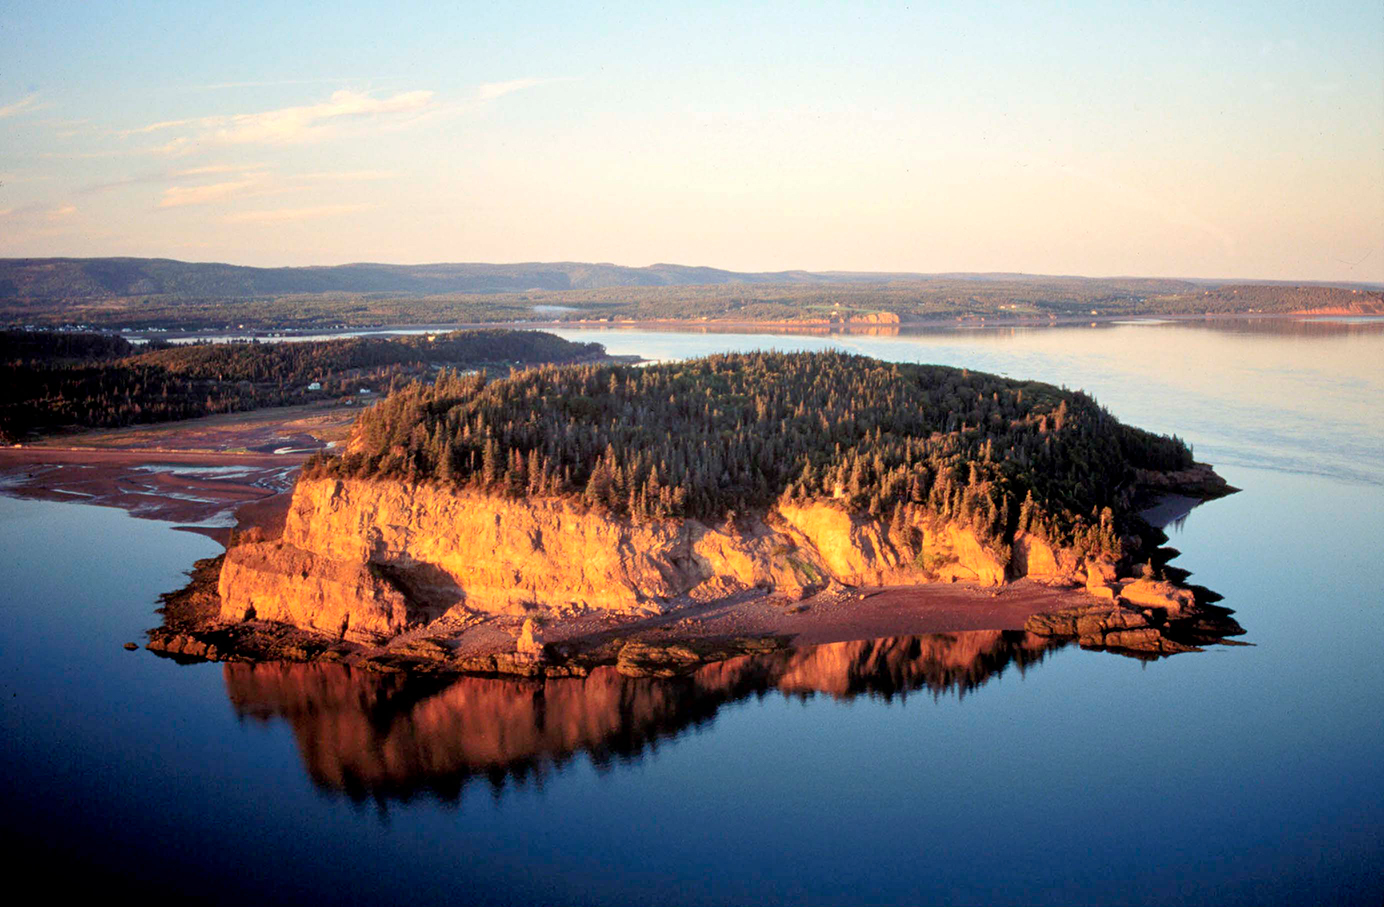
(1151, 593)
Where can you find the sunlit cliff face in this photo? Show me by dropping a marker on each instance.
(387, 737)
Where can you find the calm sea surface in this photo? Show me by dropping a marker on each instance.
(969, 768)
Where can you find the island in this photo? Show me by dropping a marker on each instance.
(660, 516)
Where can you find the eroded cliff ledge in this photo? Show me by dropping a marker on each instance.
(377, 563)
(368, 560)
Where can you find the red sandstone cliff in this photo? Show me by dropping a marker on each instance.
(365, 560)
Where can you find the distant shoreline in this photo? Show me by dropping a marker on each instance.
(965, 323)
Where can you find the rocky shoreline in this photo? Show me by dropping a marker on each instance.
(193, 631)
(1148, 616)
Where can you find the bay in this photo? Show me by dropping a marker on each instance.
(978, 773)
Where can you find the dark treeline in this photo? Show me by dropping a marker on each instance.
(1270, 299)
(61, 380)
(316, 360)
(41, 348)
(731, 434)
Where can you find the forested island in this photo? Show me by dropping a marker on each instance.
(732, 434)
(130, 293)
(60, 380)
(561, 495)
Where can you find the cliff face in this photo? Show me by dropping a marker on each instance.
(367, 559)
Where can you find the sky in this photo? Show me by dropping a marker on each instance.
(1207, 139)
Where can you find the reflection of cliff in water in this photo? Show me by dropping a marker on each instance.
(390, 736)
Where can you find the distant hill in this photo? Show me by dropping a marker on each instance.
(88, 278)
(95, 278)
(125, 293)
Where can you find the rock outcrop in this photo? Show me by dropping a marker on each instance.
(280, 582)
(365, 560)
(1148, 616)
(1111, 625)
(1199, 480)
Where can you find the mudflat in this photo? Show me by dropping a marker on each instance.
(214, 474)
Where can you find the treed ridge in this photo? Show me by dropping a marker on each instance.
(319, 359)
(731, 434)
(54, 380)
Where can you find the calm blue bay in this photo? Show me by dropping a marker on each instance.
(1241, 775)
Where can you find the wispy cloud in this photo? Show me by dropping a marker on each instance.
(316, 122)
(287, 125)
(492, 90)
(171, 176)
(43, 221)
(350, 176)
(291, 215)
(15, 177)
(90, 155)
(27, 104)
(270, 83)
(482, 98)
(37, 210)
(69, 128)
(188, 186)
(218, 168)
(182, 196)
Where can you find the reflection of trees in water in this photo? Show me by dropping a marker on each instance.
(388, 737)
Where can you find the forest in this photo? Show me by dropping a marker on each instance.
(59, 380)
(729, 435)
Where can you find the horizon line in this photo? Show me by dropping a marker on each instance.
(1366, 283)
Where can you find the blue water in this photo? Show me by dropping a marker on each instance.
(1242, 775)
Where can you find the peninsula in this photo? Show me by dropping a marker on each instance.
(659, 516)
